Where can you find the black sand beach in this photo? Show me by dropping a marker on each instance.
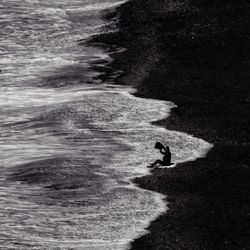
(196, 54)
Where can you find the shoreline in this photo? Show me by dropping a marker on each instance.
(142, 181)
(197, 56)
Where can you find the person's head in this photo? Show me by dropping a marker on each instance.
(167, 149)
(158, 145)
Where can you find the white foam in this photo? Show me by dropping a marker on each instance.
(127, 119)
(98, 6)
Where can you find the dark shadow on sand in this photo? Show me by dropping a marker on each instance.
(196, 54)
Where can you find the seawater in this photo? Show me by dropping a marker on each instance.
(70, 146)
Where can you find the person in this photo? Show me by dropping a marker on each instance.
(166, 161)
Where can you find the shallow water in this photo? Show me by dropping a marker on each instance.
(69, 145)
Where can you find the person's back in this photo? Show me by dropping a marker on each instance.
(167, 156)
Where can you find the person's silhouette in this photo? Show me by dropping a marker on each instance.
(166, 161)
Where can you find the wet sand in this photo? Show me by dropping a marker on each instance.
(195, 54)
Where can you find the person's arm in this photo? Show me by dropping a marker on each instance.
(163, 152)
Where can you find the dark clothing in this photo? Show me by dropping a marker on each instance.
(167, 158)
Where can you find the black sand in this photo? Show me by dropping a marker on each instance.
(196, 54)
